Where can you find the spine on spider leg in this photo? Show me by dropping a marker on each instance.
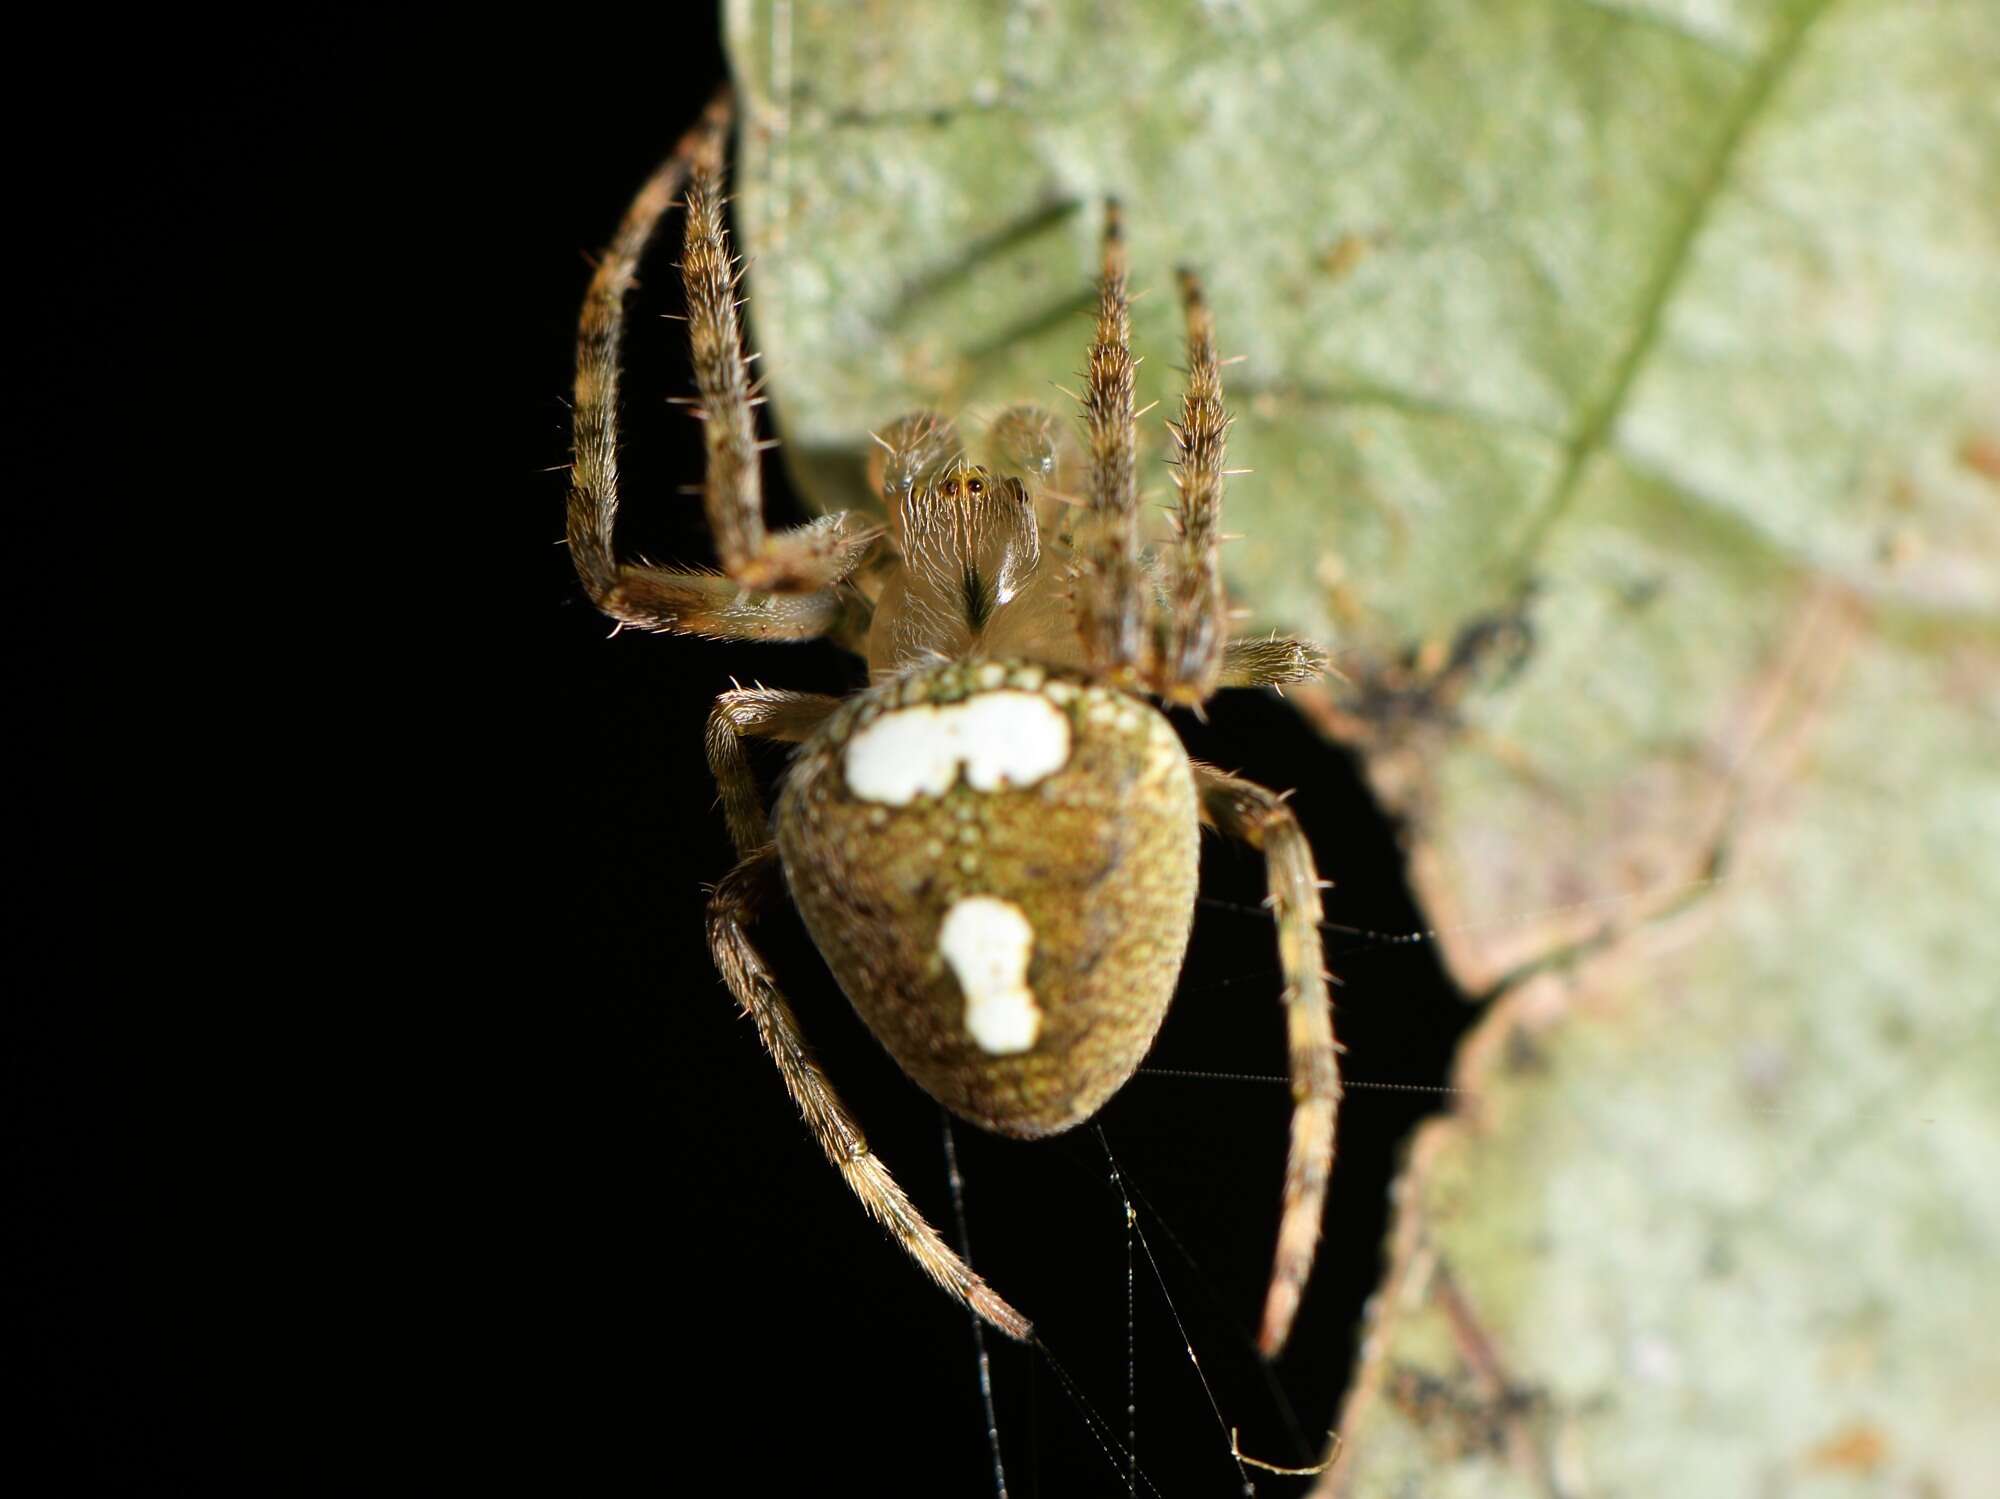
(600, 335)
(1191, 654)
(1110, 598)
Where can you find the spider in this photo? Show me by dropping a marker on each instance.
(994, 846)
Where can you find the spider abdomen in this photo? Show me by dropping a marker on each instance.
(998, 862)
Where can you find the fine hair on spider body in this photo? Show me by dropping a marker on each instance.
(995, 845)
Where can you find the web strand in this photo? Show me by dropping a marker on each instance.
(978, 1327)
(1219, 1308)
(1133, 1231)
(1098, 1427)
(1272, 1077)
(1433, 934)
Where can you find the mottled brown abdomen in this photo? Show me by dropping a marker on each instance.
(998, 862)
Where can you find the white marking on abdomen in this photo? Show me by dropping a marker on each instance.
(988, 943)
(1001, 738)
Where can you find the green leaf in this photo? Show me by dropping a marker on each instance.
(1658, 345)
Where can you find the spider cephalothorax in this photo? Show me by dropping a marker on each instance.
(994, 846)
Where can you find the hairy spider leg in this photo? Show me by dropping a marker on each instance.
(1111, 586)
(1259, 817)
(745, 891)
(800, 567)
(799, 560)
(1196, 630)
(1187, 656)
(755, 713)
(1271, 661)
(1197, 657)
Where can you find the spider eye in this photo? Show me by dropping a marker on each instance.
(974, 487)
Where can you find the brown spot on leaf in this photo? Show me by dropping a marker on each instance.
(1898, 548)
(1338, 259)
(1856, 1448)
(1981, 453)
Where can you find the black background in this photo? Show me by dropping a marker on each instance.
(436, 1152)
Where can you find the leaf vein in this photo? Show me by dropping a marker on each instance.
(1602, 416)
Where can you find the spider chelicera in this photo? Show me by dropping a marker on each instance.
(994, 845)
